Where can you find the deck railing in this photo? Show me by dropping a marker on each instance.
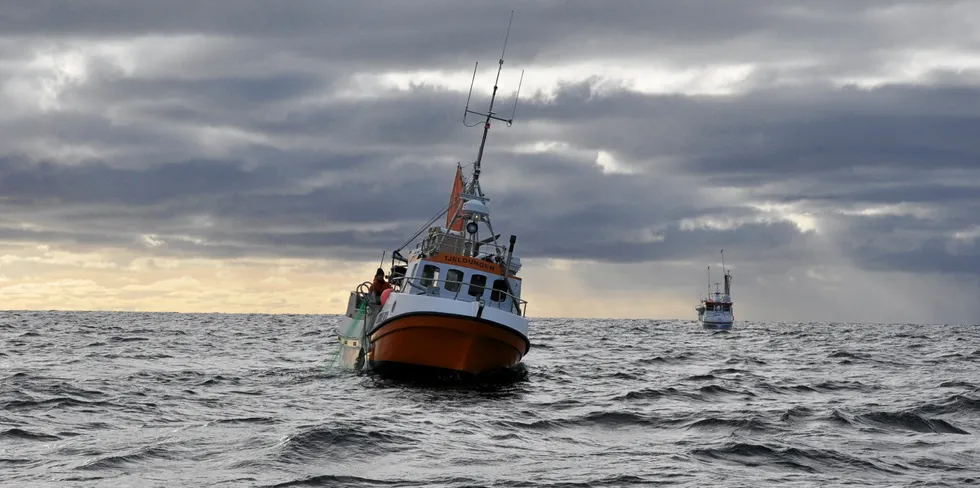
(453, 244)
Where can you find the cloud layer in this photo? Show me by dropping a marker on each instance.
(830, 142)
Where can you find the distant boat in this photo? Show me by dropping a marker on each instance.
(455, 304)
(716, 311)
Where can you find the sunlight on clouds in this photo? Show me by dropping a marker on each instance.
(803, 221)
(83, 281)
(152, 240)
(897, 209)
(553, 287)
(970, 234)
(914, 66)
(277, 280)
(47, 148)
(49, 293)
(610, 165)
(716, 223)
(542, 147)
(767, 213)
(62, 258)
(216, 142)
(150, 56)
(56, 67)
(53, 72)
(138, 264)
(171, 284)
(555, 264)
(639, 75)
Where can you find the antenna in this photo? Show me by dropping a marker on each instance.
(728, 277)
(474, 185)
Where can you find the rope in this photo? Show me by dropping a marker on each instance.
(433, 219)
(425, 227)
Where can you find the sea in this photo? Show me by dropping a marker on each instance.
(107, 399)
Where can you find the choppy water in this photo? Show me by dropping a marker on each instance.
(130, 399)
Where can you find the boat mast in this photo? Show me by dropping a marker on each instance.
(472, 189)
(727, 277)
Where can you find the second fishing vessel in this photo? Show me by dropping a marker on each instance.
(716, 311)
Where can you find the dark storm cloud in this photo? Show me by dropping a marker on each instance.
(935, 254)
(775, 134)
(602, 226)
(241, 147)
(30, 183)
(400, 32)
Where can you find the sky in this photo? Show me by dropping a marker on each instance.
(254, 156)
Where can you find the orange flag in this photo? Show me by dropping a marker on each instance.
(455, 202)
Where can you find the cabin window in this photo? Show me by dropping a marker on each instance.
(430, 275)
(454, 280)
(477, 284)
(499, 292)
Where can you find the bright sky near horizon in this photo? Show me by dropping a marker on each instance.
(251, 156)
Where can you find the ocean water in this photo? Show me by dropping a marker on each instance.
(141, 399)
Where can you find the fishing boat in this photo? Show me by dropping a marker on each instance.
(715, 311)
(455, 303)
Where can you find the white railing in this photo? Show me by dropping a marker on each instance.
(453, 244)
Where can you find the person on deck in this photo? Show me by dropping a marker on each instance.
(379, 285)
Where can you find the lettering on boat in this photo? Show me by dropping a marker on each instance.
(467, 261)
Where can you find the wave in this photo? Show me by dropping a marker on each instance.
(957, 384)
(701, 377)
(951, 405)
(334, 480)
(16, 433)
(118, 461)
(751, 425)
(127, 339)
(245, 420)
(343, 441)
(602, 418)
(901, 421)
(52, 403)
(808, 460)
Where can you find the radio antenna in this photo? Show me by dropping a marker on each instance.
(473, 187)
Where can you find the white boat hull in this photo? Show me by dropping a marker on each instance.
(717, 320)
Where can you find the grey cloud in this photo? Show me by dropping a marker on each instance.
(777, 133)
(931, 256)
(399, 34)
(298, 169)
(98, 184)
(551, 221)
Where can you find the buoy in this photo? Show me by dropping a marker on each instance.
(384, 295)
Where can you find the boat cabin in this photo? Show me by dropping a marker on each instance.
(461, 277)
(717, 306)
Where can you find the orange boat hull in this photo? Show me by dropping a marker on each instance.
(445, 342)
